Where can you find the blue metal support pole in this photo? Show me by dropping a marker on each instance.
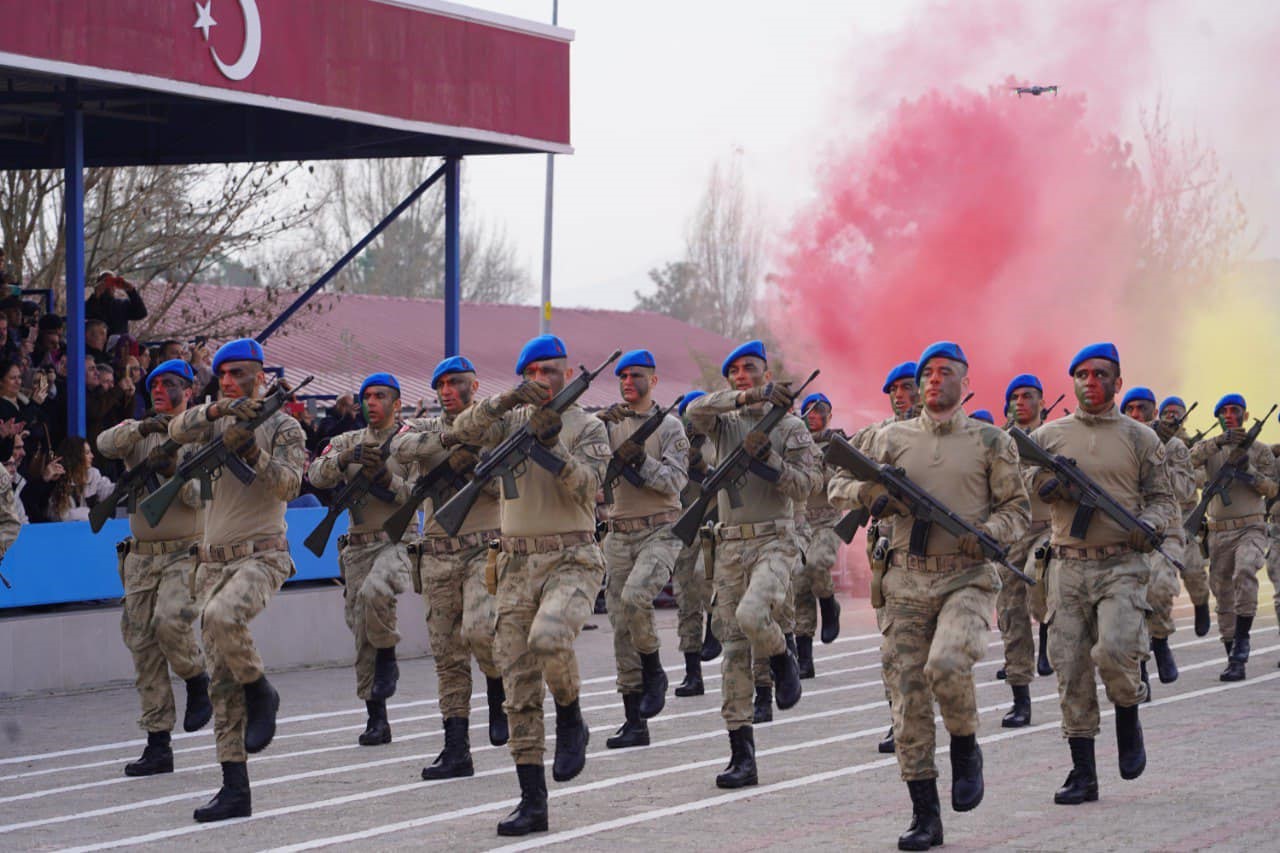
(355, 250)
(452, 256)
(73, 200)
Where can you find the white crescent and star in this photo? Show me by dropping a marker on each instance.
(248, 60)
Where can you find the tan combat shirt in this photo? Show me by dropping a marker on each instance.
(185, 518)
(325, 473)
(1208, 456)
(665, 469)
(423, 436)
(1040, 511)
(10, 520)
(818, 501)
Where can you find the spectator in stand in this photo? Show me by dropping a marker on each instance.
(65, 485)
(105, 406)
(95, 340)
(130, 381)
(15, 406)
(14, 452)
(115, 302)
(49, 346)
(10, 342)
(343, 417)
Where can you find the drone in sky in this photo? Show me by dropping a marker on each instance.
(1034, 90)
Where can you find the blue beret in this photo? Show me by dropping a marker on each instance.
(812, 400)
(379, 379)
(453, 364)
(243, 349)
(1102, 350)
(984, 415)
(755, 348)
(689, 398)
(1022, 380)
(906, 370)
(1172, 401)
(941, 349)
(1137, 392)
(176, 366)
(635, 358)
(541, 348)
(1229, 400)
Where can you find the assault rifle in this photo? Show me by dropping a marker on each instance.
(209, 461)
(141, 477)
(925, 509)
(1177, 425)
(1232, 469)
(1010, 422)
(352, 496)
(1200, 436)
(518, 447)
(1048, 410)
(617, 468)
(434, 484)
(731, 472)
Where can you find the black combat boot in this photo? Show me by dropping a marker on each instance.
(1001, 674)
(741, 771)
(804, 656)
(499, 732)
(232, 799)
(1166, 666)
(830, 609)
(1020, 714)
(530, 814)
(653, 691)
(1146, 680)
(692, 684)
(454, 761)
(786, 679)
(926, 817)
(887, 746)
(633, 732)
(966, 773)
(199, 708)
(1082, 782)
(1043, 667)
(157, 757)
(1203, 623)
(763, 710)
(1238, 651)
(710, 645)
(1133, 754)
(261, 704)
(386, 672)
(378, 730)
(572, 736)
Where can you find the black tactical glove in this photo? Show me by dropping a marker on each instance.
(164, 464)
(876, 498)
(1235, 435)
(241, 408)
(370, 457)
(530, 392)
(154, 425)
(1051, 489)
(757, 444)
(545, 425)
(631, 453)
(240, 440)
(615, 413)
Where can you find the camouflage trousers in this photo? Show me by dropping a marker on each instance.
(229, 596)
(935, 629)
(1162, 589)
(543, 602)
(1013, 609)
(1273, 564)
(461, 618)
(820, 547)
(374, 574)
(638, 565)
(750, 582)
(785, 615)
(1195, 577)
(1097, 619)
(690, 582)
(1235, 558)
(156, 624)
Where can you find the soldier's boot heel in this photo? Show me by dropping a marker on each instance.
(499, 730)
(692, 684)
(1082, 782)
(157, 757)
(634, 731)
(386, 674)
(1240, 645)
(1043, 667)
(741, 771)
(762, 712)
(199, 707)
(711, 647)
(572, 736)
(967, 786)
(1133, 752)
(1146, 680)
(925, 830)
(1166, 666)
(262, 703)
(454, 761)
(786, 679)
(377, 730)
(830, 609)
(887, 746)
(1002, 674)
(233, 798)
(530, 814)
(1203, 622)
(653, 692)
(804, 656)
(1020, 714)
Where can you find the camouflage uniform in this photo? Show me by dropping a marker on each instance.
(689, 576)
(243, 560)
(819, 548)
(1195, 573)
(155, 565)
(10, 512)
(550, 567)
(756, 548)
(1163, 587)
(938, 605)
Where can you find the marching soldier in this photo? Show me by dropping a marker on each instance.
(1273, 544)
(755, 543)
(243, 560)
(155, 567)
(690, 574)
(1194, 576)
(937, 604)
(640, 550)
(984, 415)
(549, 568)
(819, 547)
(375, 570)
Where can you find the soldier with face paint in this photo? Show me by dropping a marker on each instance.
(1237, 532)
(1195, 577)
(374, 569)
(819, 546)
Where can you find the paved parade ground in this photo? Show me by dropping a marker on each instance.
(1210, 781)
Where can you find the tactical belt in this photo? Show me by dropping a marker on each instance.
(630, 525)
(442, 546)
(1102, 552)
(544, 544)
(725, 532)
(160, 546)
(821, 516)
(1236, 523)
(227, 553)
(936, 564)
(363, 538)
